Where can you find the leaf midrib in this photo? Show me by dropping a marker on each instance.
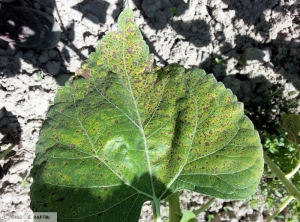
(140, 125)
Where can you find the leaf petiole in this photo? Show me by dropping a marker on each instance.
(282, 206)
(156, 211)
(175, 213)
(289, 186)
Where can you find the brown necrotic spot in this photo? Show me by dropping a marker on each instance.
(116, 121)
(72, 145)
(130, 50)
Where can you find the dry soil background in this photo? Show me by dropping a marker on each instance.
(255, 41)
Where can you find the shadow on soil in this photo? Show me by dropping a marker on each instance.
(11, 130)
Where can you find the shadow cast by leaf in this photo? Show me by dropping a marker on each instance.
(88, 204)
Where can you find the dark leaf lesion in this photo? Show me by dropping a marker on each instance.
(80, 73)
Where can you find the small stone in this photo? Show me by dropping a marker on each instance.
(44, 57)
(150, 7)
(28, 55)
(6, 72)
(3, 61)
(53, 67)
(52, 54)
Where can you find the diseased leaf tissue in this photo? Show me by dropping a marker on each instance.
(133, 132)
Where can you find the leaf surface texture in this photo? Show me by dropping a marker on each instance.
(133, 132)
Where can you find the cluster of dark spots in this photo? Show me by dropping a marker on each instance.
(206, 143)
(129, 29)
(60, 199)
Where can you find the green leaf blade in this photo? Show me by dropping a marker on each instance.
(133, 133)
(125, 53)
